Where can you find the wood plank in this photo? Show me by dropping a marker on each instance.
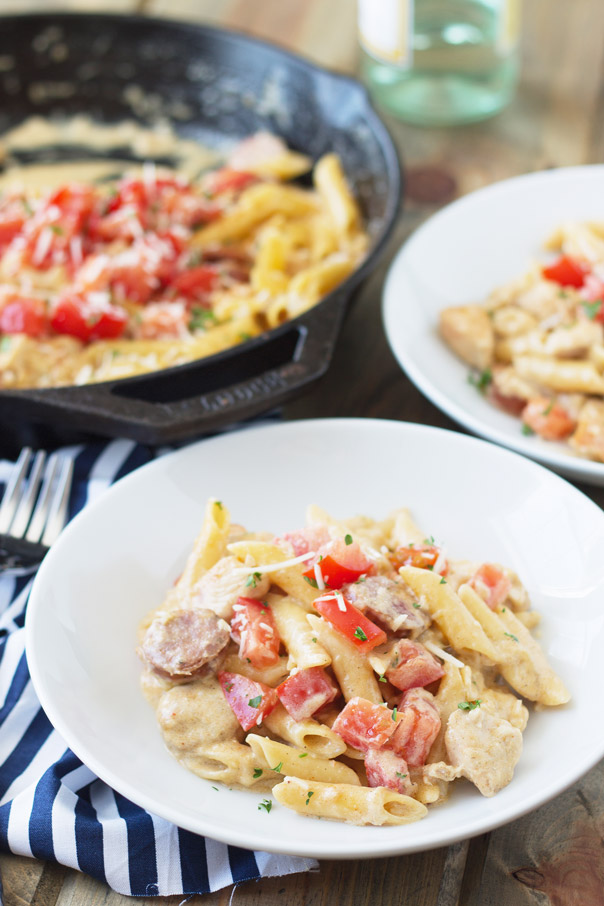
(554, 855)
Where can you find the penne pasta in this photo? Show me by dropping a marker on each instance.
(353, 684)
(299, 763)
(354, 804)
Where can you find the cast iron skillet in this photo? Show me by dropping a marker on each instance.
(210, 83)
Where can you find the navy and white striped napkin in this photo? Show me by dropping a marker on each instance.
(51, 805)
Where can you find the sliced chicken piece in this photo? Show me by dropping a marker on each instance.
(468, 330)
(485, 748)
(227, 580)
(588, 438)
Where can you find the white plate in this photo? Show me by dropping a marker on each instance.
(458, 256)
(115, 561)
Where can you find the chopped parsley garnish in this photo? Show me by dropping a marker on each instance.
(394, 713)
(348, 539)
(548, 409)
(592, 309)
(257, 773)
(302, 754)
(228, 687)
(266, 804)
(56, 229)
(245, 336)
(277, 767)
(310, 793)
(470, 706)
(511, 635)
(216, 788)
(527, 430)
(359, 634)
(255, 702)
(253, 580)
(481, 380)
(398, 774)
(382, 678)
(219, 504)
(443, 581)
(314, 639)
(429, 540)
(311, 582)
(417, 605)
(360, 579)
(201, 318)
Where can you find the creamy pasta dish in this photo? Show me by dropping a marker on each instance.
(109, 277)
(347, 670)
(536, 345)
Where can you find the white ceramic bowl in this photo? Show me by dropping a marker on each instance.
(114, 562)
(458, 256)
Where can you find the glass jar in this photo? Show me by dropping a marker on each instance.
(440, 62)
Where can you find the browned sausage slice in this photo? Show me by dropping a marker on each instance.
(179, 643)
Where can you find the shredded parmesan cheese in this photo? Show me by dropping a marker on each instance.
(274, 567)
(319, 577)
(443, 655)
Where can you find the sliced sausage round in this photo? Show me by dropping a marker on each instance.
(179, 643)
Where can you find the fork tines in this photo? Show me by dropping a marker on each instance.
(34, 504)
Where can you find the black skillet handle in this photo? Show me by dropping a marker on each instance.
(243, 382)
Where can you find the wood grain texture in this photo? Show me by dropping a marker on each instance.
(556, 854)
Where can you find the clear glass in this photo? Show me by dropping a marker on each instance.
(460, 69)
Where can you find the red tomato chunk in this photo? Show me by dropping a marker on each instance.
(548, 418)
(249, 700)
(304, 692)
(418, 725)
(385, 768)
(349, 621)
(341, 563)
(363, 725)
(422, 556)
(22, 315)
(491, 584)
(566, 271)
(413, 666)
(255, 627)
(80, 317)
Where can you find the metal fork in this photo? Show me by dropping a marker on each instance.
(34, 507)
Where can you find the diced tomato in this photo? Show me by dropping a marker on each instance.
(13, 213)
(566, 271)
(305, 540)
(306, 691)
(80, 317)
(341, 563)
(491, 584)
(511, 404)
(255, 627)
(226, 179)
(22, 315)
(413, 665)
(548, 418)
(417, 726)
(349, 621)
(363, 725)
(76, 202)
(385, 768)
(422, 556)
(249, 700)
(196, 283)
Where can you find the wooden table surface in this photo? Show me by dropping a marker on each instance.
(556, 854)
